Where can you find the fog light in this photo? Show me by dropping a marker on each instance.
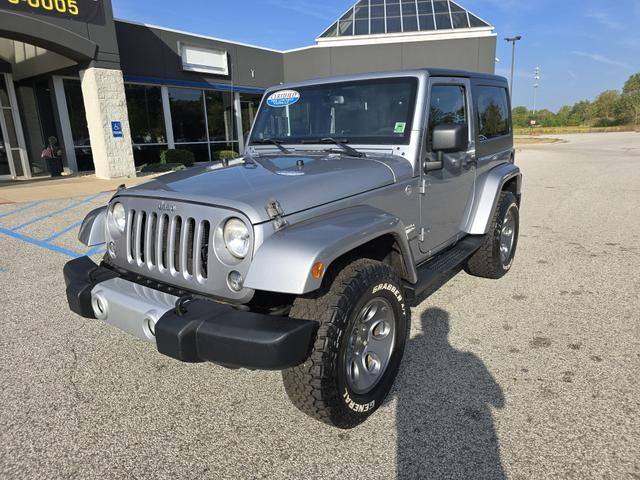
(100, 307)
(111, 248)
(235, 281)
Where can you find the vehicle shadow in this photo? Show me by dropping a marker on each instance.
(444, 419)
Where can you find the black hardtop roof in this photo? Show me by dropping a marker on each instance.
(447, 72)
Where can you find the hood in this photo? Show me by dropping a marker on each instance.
(297, 182)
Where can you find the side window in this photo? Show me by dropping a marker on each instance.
(448, 105)
(493, 112)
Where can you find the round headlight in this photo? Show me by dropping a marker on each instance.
(237, 238)
(118, 216)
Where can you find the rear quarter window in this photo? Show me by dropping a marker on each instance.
(493, 112)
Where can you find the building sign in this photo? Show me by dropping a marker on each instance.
(116, 129)
(89, 11)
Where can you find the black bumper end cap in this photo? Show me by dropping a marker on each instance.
(213, 332)
(80, 276)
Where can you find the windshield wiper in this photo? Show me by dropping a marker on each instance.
(346, 148)
(275, 142)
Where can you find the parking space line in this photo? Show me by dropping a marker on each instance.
(40, 243)
(62, 232)
(44, 217)
(21, 209)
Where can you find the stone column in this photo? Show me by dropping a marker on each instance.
(104, 103)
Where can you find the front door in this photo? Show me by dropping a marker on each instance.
(448, 192)
(12, 146)
(6, 165)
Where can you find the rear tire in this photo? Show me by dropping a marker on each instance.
(349, 373)
(495, 257)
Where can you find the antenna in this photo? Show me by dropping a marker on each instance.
(535, 89)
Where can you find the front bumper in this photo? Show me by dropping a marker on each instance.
(202, 331)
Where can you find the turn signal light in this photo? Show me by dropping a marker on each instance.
(317, 270)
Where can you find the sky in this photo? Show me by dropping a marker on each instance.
(582, 47)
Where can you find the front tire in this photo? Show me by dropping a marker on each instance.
(364, 323)
(495, 257)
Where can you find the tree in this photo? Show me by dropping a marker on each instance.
(582, 112)
(604, 108)
(631, 99)
(563, 117)
(521, 117)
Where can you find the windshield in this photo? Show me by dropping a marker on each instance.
(367, 112)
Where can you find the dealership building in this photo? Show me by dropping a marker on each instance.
(116, 93)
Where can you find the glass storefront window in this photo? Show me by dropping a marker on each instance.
(249, 104)
(5, 169)
(4, 93)
(217, 148)
(78, 121)
(222, 125)
(145, 154)
(12, 137)
(187, 115)
(77, 115)
(146, 117)
(84, 159)
(200, 150)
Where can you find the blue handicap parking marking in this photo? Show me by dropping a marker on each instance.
(62, 232)
(40, 243)
(47, 243)
(22, 209)
(57, 212)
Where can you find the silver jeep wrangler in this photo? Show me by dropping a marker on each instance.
(357, 198)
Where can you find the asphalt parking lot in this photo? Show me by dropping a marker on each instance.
(535, 376)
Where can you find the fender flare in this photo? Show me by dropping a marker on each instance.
(486, 200)
(283, 262)
(93, 230)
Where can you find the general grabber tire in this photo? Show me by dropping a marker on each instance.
(495, 258)
(364, 322)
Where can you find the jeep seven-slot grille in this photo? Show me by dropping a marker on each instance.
(168, 243)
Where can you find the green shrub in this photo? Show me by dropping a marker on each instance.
(225, 155)
(162, 167)
(183, 157)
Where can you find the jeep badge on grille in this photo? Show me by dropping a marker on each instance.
(167, 207)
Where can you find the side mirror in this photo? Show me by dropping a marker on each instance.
(450, 137)
(447, 138)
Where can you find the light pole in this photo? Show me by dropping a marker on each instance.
(513, 41)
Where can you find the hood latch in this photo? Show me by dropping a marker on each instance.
(276, 214)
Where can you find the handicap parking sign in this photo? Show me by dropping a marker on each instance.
(116, 129)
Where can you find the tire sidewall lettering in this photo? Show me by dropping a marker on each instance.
(357, 407)
(394, 290)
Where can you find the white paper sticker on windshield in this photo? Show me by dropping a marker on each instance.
(400, 127)
(283, 98)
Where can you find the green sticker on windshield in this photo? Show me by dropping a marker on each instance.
(400, 127)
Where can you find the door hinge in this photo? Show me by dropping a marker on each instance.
(423, 234)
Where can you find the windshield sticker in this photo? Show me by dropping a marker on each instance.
(283, 98)
(400, 127)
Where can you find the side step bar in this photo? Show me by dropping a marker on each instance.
(437, 271)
